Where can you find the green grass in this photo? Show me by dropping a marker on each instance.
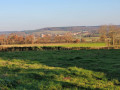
(60, 44)
(60, 70)
(85, 45)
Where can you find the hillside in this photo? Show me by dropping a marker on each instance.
(59, 30)
(56, 30)
(7, 32)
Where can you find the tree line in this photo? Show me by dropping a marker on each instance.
(31, 39)
(110, 34)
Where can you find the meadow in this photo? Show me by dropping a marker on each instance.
(60, 70)
(59, 44)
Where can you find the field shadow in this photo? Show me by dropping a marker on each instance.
(35, 75)
(106, 61)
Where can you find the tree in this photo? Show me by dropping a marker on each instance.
(110, 34)
(113, 30)
(103, 32)
(29, 39)
(77, 41)
(3, 40)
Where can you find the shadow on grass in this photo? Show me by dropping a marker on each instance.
(107, 61)
(16, 78)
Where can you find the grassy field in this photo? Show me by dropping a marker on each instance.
(62, 45)
(60, 70)
(85, 45)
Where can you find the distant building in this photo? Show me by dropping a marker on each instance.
(43, 35)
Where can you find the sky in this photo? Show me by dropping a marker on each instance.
(35, 14)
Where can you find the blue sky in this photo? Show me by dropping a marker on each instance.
(35, 14)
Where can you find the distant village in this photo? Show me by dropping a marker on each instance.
(23, 38)
(85, 33)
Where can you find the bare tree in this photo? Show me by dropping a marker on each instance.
(103, 32)
(110, 34)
